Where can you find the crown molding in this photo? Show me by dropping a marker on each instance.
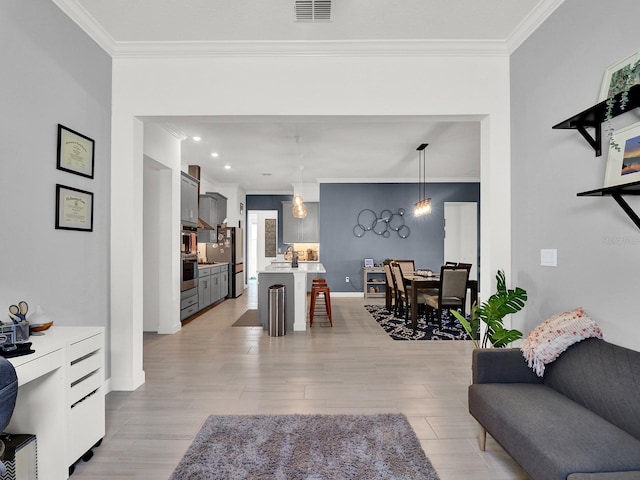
(300, 48)
(342, 48)
(531, 22)
(86, 22)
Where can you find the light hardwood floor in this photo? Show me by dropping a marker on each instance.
(211, 367)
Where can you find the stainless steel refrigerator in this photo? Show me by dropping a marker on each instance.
(230, 249)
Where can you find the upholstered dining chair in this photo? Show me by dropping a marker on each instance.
(404, 292)
(391, 289)
(464, 265)
(452, 293)
(408, 267)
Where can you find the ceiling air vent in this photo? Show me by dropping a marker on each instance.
(312, 10)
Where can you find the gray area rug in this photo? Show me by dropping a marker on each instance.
(305, 447)
(248, 319)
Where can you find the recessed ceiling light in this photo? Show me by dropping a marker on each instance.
(227, 167)
(196, 139)
(215, 154)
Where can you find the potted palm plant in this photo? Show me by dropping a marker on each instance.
(492, 313)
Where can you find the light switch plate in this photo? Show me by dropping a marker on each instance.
(549, 257)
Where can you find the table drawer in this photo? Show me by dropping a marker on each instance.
(84, 386)
(85, 347)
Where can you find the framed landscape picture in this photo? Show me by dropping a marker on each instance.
(614, 77)
(623, 163)
(75, 152)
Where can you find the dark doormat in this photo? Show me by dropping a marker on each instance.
(248, 319)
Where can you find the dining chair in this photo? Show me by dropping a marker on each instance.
(408, 266)
(464, 265)
(450, 264)
(404, 292)
(452, 293)
(391, 289)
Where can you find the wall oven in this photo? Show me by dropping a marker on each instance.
(188, 252)
(189, 272)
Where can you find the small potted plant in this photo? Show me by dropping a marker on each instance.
(492, 313)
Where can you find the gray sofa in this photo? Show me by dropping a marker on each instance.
(581, 421)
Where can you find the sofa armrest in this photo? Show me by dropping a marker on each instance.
(501, 365)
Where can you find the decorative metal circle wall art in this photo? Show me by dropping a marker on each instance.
(382, 224)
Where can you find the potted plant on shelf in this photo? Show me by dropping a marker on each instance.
(492, 313)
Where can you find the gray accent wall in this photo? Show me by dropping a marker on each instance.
(52, 72)
(342, 253)
(555, 74)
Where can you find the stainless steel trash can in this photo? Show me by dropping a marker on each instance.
(276, 321)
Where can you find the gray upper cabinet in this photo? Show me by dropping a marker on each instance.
(188, 200)
(209, 214)
(301, 230)
(221, 206)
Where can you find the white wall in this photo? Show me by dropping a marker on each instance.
(52, 73)
(161, 231)
(557, 73)
(474, 87)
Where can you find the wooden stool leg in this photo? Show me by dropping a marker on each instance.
(313, 306)
(327, 301)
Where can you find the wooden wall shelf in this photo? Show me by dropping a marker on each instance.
(594, 116)
(617, 192)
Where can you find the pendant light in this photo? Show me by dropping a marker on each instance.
(299, 209)
(423, 205)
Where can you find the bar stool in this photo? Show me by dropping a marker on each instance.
(319, 286)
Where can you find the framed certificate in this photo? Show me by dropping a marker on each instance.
(75, 152)
(74, 209)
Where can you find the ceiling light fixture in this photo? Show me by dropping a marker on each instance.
(423, 205)
(227, 167)
(215, 154)
(299, 209)
(196, 139)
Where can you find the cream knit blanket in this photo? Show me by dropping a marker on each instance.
(547, 341)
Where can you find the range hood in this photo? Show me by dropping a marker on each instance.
(194, 171)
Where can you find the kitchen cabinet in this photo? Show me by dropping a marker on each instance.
(209, 214)
(220, 206)
(224, 281)
(188, 200)
(215, 284)
(204, 287)
(301, 230)
(188, 303)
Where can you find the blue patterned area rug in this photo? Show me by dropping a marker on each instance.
(428, 329)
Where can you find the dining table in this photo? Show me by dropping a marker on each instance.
(424, 281)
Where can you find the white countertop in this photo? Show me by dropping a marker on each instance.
(306, 267)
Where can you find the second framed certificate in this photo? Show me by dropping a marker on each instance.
(74, 209)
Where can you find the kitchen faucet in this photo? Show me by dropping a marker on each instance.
(294, 256)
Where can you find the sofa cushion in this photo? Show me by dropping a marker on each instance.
(548, 434)
(602, 377)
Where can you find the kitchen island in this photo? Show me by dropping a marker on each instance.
(295, 282)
